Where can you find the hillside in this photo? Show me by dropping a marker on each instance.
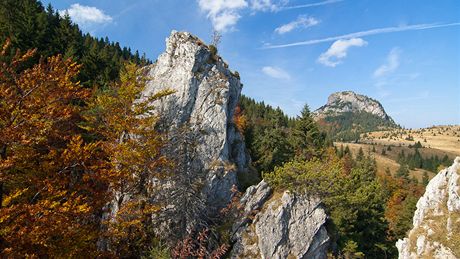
(436, 143)
(347, 115)
(29, 25)
(445, 138)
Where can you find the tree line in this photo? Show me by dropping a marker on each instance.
(29, 25)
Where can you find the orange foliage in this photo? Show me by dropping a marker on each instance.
(399, 207)
(54, 184)
(50, 178)
(240, 119)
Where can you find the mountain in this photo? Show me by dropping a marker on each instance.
(436, 222)
(347, 115)
(349, 101)
(204, 143)
(210, 157)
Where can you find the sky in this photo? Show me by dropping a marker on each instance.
(404, 53)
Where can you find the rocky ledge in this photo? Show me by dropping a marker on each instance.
(280, 225)
(436, 231)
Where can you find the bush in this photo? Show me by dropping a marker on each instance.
(213, 50)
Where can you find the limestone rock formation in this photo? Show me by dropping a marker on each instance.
(436, 232)
(207, 93)
(280, 225)
(349, 101)
(204, 143)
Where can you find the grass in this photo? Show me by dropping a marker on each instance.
(444, 138)
(389, 160)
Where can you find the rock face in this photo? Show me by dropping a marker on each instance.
(204, 143)
(436, 232)
(206, 94)
(284, 225)
(349, 101)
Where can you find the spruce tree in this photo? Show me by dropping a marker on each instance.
(307, 140)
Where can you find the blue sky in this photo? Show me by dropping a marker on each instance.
(404, 53)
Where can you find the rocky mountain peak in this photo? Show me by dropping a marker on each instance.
(207, 149)
(349, 101)
(437, 219)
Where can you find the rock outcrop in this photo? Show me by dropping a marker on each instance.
(204, 143)
(436, 231)
(348, 101)
(280, 225)
(206, 94)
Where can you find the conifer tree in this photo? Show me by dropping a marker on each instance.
(307, 140)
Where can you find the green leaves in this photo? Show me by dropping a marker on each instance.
(354, 197)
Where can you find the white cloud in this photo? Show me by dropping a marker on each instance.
(338, 51)
(301, 22)
(267, 5)
(365, 33)
(275, 72)
(87, 15)
(222, 13)
(390, 65)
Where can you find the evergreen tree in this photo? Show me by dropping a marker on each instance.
(425, 179)
(29, 25)
(403, 171)
(360, 155)
(307, 140)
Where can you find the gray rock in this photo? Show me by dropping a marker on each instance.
(284, 226)
(436, 219)
(198, 119)
(349, 101)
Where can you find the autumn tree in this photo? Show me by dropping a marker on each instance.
(66, 154)
(123, 120)
(51, 179)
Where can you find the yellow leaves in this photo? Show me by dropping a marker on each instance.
(12, 197)
(78, 151)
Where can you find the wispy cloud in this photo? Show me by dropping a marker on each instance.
(338, 51)
(365, 33)
(301, 22)
(310, 5)
(87, 15)
(275, 72)
(222, 13)
(390, 65)
(267, 5)
(225, 14)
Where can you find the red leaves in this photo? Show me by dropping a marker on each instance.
(198, 246)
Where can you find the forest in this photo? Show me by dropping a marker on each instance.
(68, 110)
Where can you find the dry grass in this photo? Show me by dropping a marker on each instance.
(436, 141)
(444, 138)
(389, 160)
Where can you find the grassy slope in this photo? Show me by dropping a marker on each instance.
(440, 140)
(444, 138)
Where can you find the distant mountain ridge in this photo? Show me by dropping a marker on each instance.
(347, 115)
(349, 101)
